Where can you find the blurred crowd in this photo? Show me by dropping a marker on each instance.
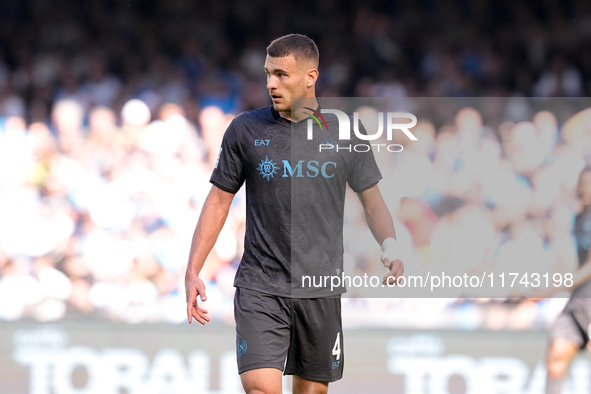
(112, 113)
(100, 218)
(478, 197)
(197, 53)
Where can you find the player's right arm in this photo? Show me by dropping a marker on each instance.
(211, 220)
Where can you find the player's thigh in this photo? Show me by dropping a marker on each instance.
(560, 354)
(262, 330)
(304, 386)
(262, 381)
(316, 349)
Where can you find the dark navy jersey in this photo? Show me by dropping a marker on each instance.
(295, 197)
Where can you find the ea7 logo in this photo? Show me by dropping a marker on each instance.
(345, 125)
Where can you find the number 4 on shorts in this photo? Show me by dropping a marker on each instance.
(336, 350)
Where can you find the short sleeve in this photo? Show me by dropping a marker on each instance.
(364, 172)
(228, 173)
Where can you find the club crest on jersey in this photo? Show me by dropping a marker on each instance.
(267, 168)
(242, 346)
(328, 145)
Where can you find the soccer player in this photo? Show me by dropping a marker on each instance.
(294, 221)
(570, 332)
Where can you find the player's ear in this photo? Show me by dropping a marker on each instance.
(312, 76)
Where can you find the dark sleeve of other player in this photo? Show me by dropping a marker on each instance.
(228, 173)
(364, 172)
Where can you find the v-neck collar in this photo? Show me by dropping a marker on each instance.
(294, 125)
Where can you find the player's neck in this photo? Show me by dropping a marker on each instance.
(302, 112)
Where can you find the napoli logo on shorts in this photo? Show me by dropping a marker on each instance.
(242, 346)
(267, 168)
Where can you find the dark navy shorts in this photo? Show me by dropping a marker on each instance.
(305, 331)
(574, 323)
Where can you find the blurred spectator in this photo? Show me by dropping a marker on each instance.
(559, 79)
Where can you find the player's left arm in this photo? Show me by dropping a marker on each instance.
(381, 226)
(580, 276)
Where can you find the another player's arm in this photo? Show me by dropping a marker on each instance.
(211, 220)
(381, 226)
(580, 276)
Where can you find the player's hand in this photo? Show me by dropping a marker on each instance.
(396, 271)
(194, 287)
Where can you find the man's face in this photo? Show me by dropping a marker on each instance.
(285, 79)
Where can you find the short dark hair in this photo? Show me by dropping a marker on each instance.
(300, 46)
